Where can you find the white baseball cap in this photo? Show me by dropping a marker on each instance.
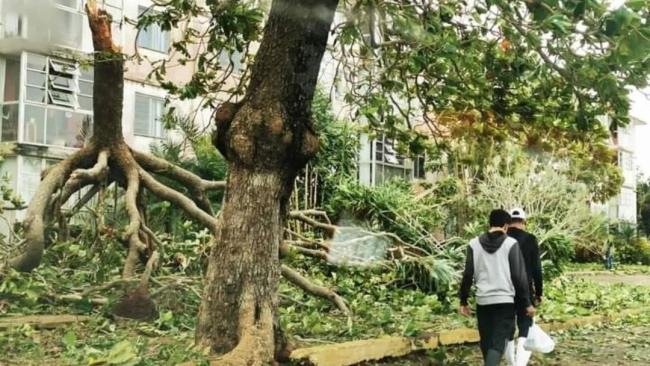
(518, 213)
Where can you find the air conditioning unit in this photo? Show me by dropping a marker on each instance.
(15, 26)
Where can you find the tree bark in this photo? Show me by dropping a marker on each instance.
(267, 139)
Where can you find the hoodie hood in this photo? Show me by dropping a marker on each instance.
(491, 242)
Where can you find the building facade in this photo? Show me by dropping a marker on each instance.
(623, 207)
(46, 83)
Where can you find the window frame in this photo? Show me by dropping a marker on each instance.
(151, 121)
(51, 68)
(381, 147)
(153, 30)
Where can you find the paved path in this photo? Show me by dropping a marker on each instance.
(615, 345)
(620, 344)
(606, 277)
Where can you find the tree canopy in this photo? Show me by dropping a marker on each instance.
(538, 71)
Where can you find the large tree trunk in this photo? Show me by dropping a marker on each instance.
(267, 139)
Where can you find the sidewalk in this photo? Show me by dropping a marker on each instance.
(354, 352)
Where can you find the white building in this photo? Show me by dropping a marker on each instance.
(623, 206)
(46, 92)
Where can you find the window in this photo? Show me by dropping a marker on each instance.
(148, 116)
(625, 160)
(9, 122)
(388, 163)
(66, 128)
(66, 29)
(85, 97)
(628, 198)
(64, 68)
(61, 98)
(56, 82)
(12, 80)
(15, 25)
(153, 37)
(386, 153)
(34, 130)
(62, 85)
(35, 88)
(58, 101)
(418, 167)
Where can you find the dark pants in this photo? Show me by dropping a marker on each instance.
(496, 325)
(524, 322)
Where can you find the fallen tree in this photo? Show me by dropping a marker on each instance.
(107, 158)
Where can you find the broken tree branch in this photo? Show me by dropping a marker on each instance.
(300, 216)
(286, 248)
(323, 292)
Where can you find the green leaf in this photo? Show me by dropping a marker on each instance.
(637, 5)
(617, 20)
(560, 22)
(69, 340)
(122, 354)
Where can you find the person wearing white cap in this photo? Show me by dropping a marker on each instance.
(533, 263)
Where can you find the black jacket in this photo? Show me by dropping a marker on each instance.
(530, 251)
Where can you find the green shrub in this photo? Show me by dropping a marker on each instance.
(558, 250)
(391, 207)
(629, 247)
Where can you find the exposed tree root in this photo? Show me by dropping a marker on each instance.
(137, 303)
(34, 224)
(71, 175)
(108, 158)
(196, 185)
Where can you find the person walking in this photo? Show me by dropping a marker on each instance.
(495, 263)
(533, 262)
(609, 255)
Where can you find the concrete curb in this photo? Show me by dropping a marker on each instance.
(41, 321)
(351, 353)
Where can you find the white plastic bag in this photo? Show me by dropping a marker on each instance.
(538, 340)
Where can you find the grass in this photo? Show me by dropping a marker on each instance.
(378, 310)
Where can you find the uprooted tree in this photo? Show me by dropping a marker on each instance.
(106, 159)
(536, 69)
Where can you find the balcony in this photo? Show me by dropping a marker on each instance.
(39, 25)
(47, 102)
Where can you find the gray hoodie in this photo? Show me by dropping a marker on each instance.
(494, 261)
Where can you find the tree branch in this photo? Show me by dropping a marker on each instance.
(300, 216)
(286, 248)
(323, 292)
